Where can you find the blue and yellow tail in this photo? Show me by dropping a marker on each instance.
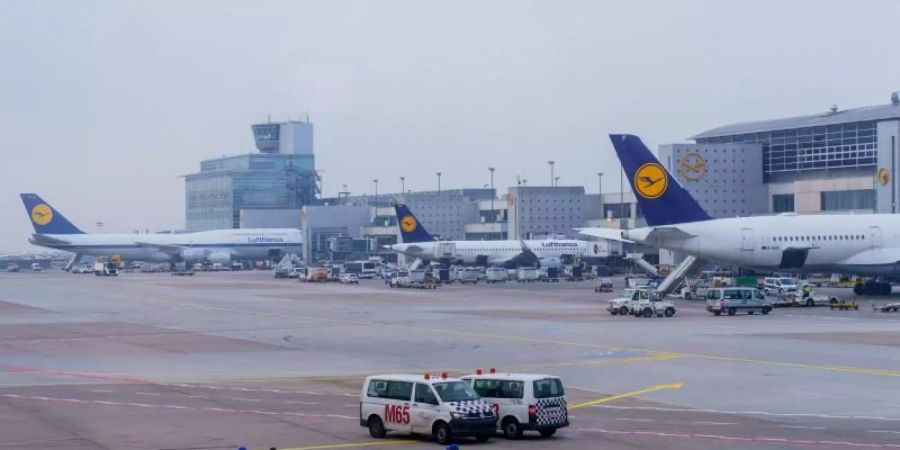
(45, 219)
(411, 230)
(662, 199)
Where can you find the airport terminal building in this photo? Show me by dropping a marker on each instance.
(840, 160)
(281, 176)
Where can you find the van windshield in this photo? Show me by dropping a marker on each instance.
(784, 281)
(454, 391)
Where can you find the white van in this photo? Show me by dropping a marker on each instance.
(780, 285)
(444, 407)
(523, 402)
(732, 300)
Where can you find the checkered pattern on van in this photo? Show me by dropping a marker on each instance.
(551, 411)
(471, 407)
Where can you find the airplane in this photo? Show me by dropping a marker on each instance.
(53, 230)
(860, 244)
(418, 243)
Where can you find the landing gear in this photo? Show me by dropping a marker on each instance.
(872, 287)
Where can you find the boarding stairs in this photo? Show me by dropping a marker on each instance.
(638, 259)
(677, 276)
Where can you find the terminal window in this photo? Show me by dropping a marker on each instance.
(847, 200)
(812, 148)
(782, 203)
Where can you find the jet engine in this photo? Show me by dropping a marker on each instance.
(223, 258)
(549, 262)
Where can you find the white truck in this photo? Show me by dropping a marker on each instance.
(652, 305)
(620, 305)
(495, 275)
(528, 275)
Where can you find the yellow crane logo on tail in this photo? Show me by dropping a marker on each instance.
(650, 181)
(408, 223)
(41, 214)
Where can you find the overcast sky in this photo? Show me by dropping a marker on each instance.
(104, 105)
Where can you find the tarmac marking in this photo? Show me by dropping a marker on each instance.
(153, 394)
(753, 413)
(628, 394)
(430, 330)
(757, 440)
(884, 431)
(700, 422)
(181, 407)
(802, 427)
(354, 444)
(627, 419)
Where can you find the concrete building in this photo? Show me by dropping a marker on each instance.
(840, 160)
(281, 176)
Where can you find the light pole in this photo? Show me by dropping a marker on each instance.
(402, 185)
(600, 192)
(551, 171)
(376, 195)
(557, 181)
(493, 194)
(439, 183)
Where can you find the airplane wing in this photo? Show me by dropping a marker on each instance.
(38, 238)
(878, 257)
(526, 257)
(668, 233)
(172, 250)
(607, 234)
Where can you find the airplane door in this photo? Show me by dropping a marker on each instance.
(747, 239)
(875, 237)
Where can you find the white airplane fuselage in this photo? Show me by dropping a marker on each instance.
(865, 244)
(214, 245)
(498, 252)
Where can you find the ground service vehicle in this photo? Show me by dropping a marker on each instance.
(36, 267)
(889, 307)
(603, 285)
(780, 285)
(527, 275)
(651, 305)
(349, 278)
(845, 305)
(619, 306)
(495, 275)
(444, 407)
(523, 401)
(733, 299)
(12, 268)
(105, 269)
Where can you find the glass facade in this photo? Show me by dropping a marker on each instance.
(782, 203)
(847, 200)
(848, 145)
(224, 186)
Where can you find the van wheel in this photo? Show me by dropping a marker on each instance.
(548, 433)
(376, 427)
(766, 310)
(511, 428)
(483, 437)
(670, 311)
(718, 313)
(687, 295)
(648, 312)
(623, 310)
(750, 312)
(614, 312)
(442, 433)
(810, 302)
(732, 311)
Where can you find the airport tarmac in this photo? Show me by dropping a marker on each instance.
(219, 360)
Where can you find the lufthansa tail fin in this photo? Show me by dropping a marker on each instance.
(46, 219)
(663, 200)
(411, 230)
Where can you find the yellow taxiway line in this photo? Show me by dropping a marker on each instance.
(659, 387)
